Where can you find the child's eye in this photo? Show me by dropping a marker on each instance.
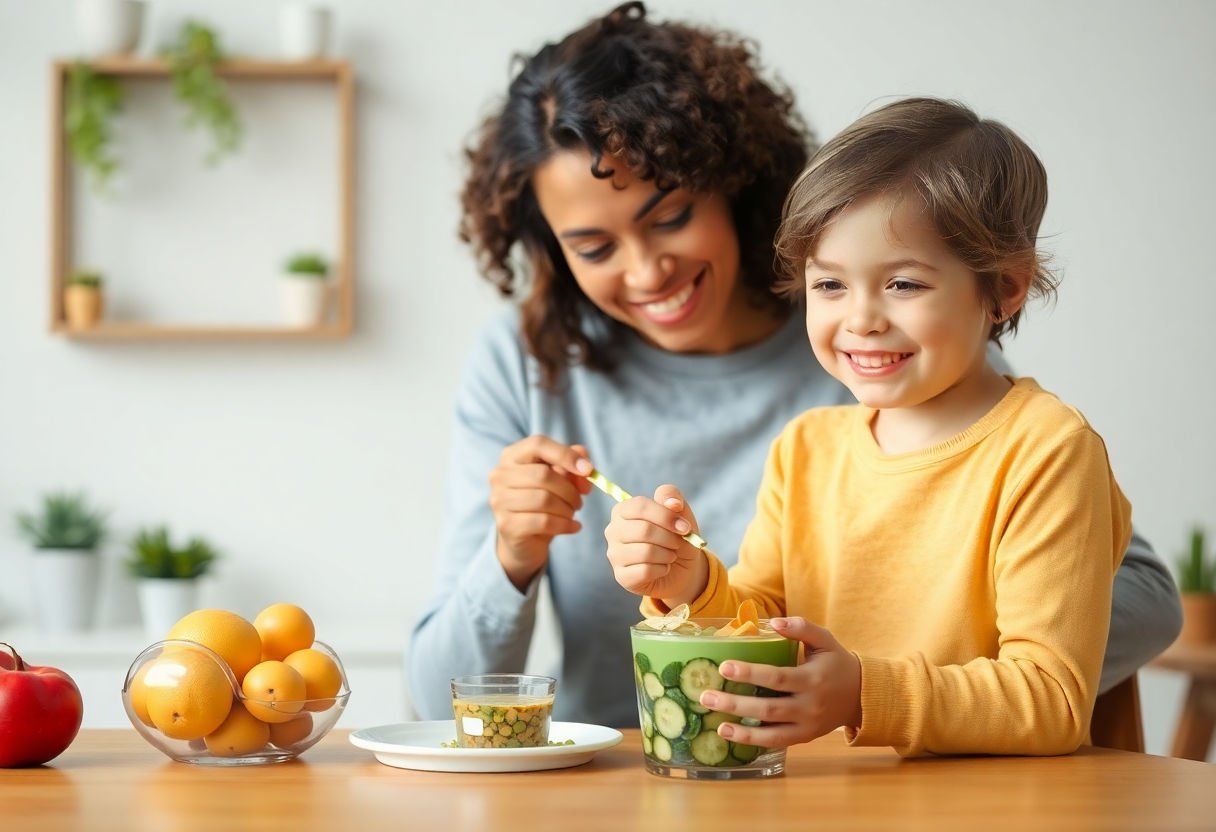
(679, 220)
(826, 285)
(905, 286)
(594, 255)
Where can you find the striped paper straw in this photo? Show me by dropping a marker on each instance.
(620, 495)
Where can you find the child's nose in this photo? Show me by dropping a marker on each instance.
(866, 315)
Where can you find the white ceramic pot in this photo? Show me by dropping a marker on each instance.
(65, 589)
(108, 27)
(303, 31)
(164, 601)
(304, 300)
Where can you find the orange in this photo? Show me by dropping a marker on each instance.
(138, 692)
(241, 733)
(274, 691)
(284, 629)
(287, 734)
(188, 694)
(232, 637)
(322, 678)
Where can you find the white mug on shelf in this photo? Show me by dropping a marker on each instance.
(303, 31)
(108, 27)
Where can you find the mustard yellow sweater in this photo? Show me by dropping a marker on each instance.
(973, 579)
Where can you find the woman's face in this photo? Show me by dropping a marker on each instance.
(665, 264)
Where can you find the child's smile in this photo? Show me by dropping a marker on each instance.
(898, 318)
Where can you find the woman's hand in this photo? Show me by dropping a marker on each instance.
(825, 691)
(647, 550)
(535, 490)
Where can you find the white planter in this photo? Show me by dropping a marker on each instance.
(303, 31)
(304, 300)
(108, 27)
(163, 602)
(65, 589)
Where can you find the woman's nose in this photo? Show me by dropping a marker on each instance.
(649, 270)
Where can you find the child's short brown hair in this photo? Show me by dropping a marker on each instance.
(985, 190)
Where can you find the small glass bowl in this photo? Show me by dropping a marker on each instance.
(165, 663)
(503, 710)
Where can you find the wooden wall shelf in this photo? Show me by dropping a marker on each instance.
(339, 73)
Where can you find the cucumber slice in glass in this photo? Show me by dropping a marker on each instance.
(647, 724)
(716, 718)
(662, 748)
(700, 675)
(647, 746)
(744, 753)
(653, 687)
(740, 688)
(709, 749)
(669, 718)
(671, 674)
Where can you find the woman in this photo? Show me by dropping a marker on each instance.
(641, 169)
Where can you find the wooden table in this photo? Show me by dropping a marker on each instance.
(111, 779)
(1197, 723)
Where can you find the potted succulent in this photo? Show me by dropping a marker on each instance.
(167, 577)
(304, 289)
(83, 301)
(1197, 583)
(65, 534)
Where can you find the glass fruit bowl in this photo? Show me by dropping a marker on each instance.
(184, 699)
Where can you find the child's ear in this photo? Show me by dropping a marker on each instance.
(1012, 288)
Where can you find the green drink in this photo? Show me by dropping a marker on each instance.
(679, 734)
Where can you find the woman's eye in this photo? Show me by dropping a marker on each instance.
(594, 255)
(679, 220)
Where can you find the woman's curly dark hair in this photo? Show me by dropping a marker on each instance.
(682, 106)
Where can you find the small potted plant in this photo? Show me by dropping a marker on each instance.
(1197, 583)
(167, 577)
(65, 535)
(305, 289)
(83, 301)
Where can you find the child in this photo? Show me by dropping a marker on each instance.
(958, 531)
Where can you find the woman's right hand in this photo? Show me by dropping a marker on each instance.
(535, 490)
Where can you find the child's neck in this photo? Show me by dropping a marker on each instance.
(906, 429)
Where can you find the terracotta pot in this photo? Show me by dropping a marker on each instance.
(1198, 619)
(83, 306)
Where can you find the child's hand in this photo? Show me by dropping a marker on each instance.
(825, 691)
(647, 550)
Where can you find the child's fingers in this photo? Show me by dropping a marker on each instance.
(682, 520)
(664, 527)
(769, 676)
(799, 629)
(780, 735)
(763, 708)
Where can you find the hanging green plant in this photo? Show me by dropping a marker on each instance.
(91, 102)
(192, 61)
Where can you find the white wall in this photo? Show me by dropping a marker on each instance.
(316, 466)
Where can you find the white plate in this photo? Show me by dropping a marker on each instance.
(417, 745)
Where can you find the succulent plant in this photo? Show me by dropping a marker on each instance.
(1195, 572)
(307, 264)
(154, 556)
(65, 522)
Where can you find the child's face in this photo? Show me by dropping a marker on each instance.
(666, 265)
(891, 312)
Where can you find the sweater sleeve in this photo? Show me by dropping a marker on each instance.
(1146, 613)
(1060, 543)
(475, 621)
